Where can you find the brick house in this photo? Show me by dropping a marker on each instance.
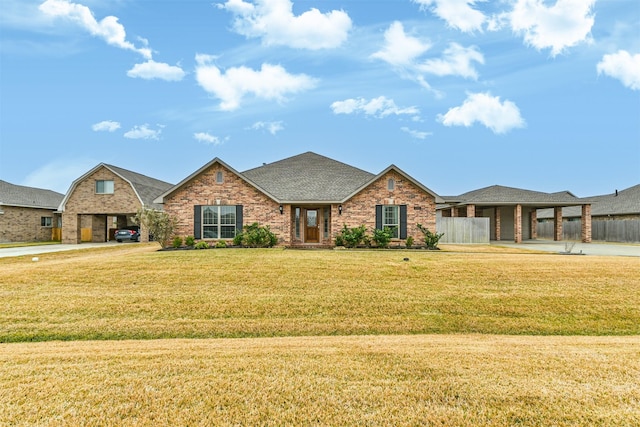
(28, 214)
(105, 199)
(305, 200)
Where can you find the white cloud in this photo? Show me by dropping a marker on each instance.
(377, 107)
(106, 126)
(59, 174)
(456, 61)
(622, 66)
(156, 70)
(271, 82)
(109, 29)
(275, 23)
(399, 48)
(143, 132)
(487, 110)
(207, 138)
(271, 127)
(415, 133)
(562, 25)
(459, 14)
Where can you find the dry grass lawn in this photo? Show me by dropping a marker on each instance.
(326, 338)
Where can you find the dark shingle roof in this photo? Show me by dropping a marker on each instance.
(626, 202)
(147, 188)
(308, 177)
(18, 195)
(500, 195)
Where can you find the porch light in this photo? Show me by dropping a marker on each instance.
(281, 210)
(339, 209)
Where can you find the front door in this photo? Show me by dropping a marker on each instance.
(312, 233)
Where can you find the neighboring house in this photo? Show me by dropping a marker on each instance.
(305, 200)
(615, 218)
(28, 214)
(105, 199)
(512, 212)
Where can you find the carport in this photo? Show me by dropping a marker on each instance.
(512, 211)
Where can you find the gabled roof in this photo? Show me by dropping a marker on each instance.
(504, 196)
(305, 178)
(309, 177)
(625, 202)
(400, 172)
(28, 197)
(145, 188)
(160, 197)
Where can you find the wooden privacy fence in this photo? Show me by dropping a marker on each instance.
(463, 230)
(612, 230)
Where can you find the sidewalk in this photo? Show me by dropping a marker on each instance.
(35, 250)
(597, 248)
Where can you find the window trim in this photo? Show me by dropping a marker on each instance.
(396, 226)
(218, 227)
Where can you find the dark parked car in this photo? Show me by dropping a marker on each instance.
(131, 233)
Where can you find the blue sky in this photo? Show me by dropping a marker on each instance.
(460, 94)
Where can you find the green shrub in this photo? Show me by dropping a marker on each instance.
(351, 237)
(221, 244)
(201, 245)
(409, 241)
(430, 239)
(177, 242)
(382, 237)
(255, 236)
(189, 241)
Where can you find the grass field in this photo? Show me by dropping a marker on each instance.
(484, 336)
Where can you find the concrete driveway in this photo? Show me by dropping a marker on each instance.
(601, 249)
(35, 250)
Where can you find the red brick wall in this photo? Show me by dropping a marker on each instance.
(23, 224)
(360, 209)
(204, 190)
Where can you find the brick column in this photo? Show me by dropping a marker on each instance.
(534, 224)
(517, 224)
(557, 223)
(454, 212)
(471, 211)
(586, 224)
(497, 215)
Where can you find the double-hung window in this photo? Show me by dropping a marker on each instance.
(104, 186)
(46, 221)
(391, 219)
(218, 222)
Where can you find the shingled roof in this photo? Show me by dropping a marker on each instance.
(308, 177)
(145, 187)
(28, 197)
(498, 195)
(624, 202)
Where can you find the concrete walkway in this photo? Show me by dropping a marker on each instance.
(597, 248)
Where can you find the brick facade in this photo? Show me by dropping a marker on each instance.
(204, 189)
(85, 211)
(22, 224)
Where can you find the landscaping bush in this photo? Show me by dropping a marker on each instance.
(351, 237)
(221, 244)
(382, 237)
(255, 236)
(201, 245)
(409, 241)
(177, 242)
(430, 239)
(189, 241)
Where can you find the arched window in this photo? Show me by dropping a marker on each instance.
(391, 184)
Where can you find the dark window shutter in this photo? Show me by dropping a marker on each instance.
(379, 217)
(239, 219)
(197, 222)
(403, 221)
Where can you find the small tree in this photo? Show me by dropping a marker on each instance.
(430, 239)
(159, 224)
